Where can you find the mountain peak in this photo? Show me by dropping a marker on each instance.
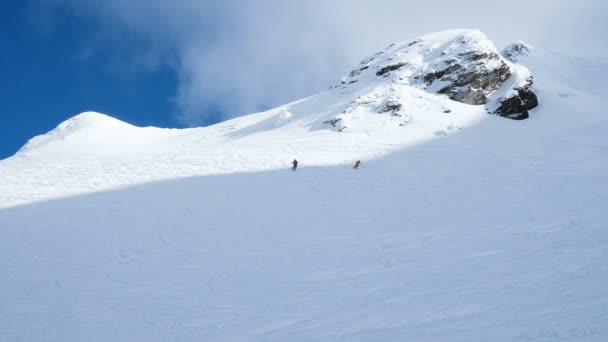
(89, 121)
(85, 134)
(463, 65)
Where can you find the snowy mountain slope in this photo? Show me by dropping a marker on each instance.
(493, 232)
(435, 243)
(78, 163)
(383, 111)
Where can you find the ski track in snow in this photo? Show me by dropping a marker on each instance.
(497, 232)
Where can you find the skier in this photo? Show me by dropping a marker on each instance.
(357, 164)
(295, 165)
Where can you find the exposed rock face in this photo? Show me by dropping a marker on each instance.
(385, 70)
(463, 65)
(472, 82)
(517, 107)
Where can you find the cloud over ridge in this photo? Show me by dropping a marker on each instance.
(234, 57)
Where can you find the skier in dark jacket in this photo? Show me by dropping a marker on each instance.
(295, 165)
(357, 164)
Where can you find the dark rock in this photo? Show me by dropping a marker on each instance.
(471, 82)
(473, 86)
(518, 106)
(332, 122)
(385, 70)
(390, 106)
(358, 71)
(469, 95)
(432, 76)
(474, 56)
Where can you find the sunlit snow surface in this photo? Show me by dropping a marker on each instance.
(459, 226)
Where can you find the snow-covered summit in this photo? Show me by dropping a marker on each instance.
(92, 134)
(462, 64)
(86, 126)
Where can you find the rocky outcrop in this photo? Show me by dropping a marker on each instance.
(517, 106)
(463, 65)
(385, 70)
(471, 82)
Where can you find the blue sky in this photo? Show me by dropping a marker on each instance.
(196, 62)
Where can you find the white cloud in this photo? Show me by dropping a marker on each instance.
(236, 56)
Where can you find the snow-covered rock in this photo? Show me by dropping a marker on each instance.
(521, 100)
(514, 51)
(461, 64)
